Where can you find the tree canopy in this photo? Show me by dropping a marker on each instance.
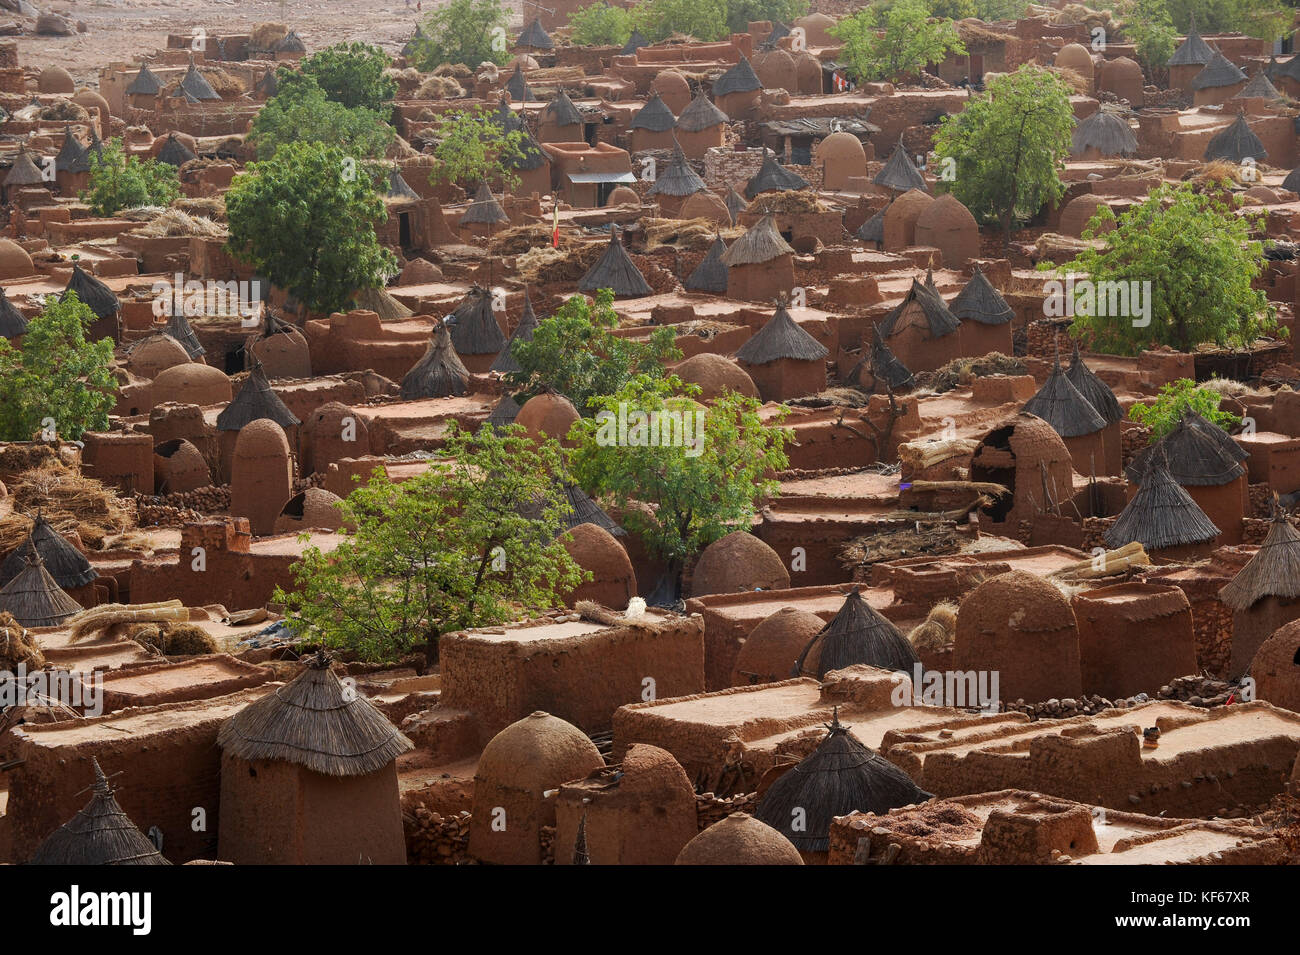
(120, 181)
(1176, 397)
(462, 31)
(894, 41)
(305, 218)
(300, 112)
(473, 148)
(600, 25)
(353, 74)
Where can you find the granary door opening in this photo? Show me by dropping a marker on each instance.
(994, 450)
(404, 230)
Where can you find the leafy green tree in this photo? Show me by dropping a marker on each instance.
(576, 353)
(353, 74)
(698, 490)
(463, 31)
(740, 13)
(600, 25)
(472, 542)
(1198, 256)
(305, 218)
(1262, 18)
(1148, 25)
(473, 147)
(1008, 146)
(895, 41)
(120, 181)
(702, 19)
(301, 112)
(1175, 398)
(56, 376)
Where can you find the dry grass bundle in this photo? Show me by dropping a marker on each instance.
(547, 265)
(266, 35)
(174, 222)
(439, 87)
(1226, 386)
(65, 111)
(1079, 84)
(520, 239)
(568, 76)
(222, 83)
(458, 70)
(687, 235)
(1217, 175)
(209, 207)
(106, 616)
(22, 456)
(17, 646)
(406, 75)
(938, 630)
(788, 201)
(1109, 564)
(185, 639)
(907, 540)
(69, 501)
(962, 371)
(919, 455)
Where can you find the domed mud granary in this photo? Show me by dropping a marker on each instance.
(281, 348)
(1276, 668)
(313, 508)
(514, 786)
(613, 581)
(857, 634)
(149, 356)
(332, 432)
(1022, 628)
(193, 384)
(737, 563)
(739, 839)
(548, 415)
(1022, 454)
(261, 475)
(715, 374)
(178, 466)
(769, 653)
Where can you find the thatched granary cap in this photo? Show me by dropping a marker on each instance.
(504, 413)
(23, 172)
(736, 204)
(484, 209)
(779, 339)
(839, 777)
(873, 230)
(857, 634)
(616, 271)
(66, 565)
(317, 723)
(92, 292)
(440, 373)
(268, 85)
(1106, 132)
(654, 116)
(1093, 388)
(195, 85)
(1064, 407)
(505, 361)
(256, 400)
(72, 156)
(634, 43)
(1260, 86)
(739, 839)
(1161, 515)
(12, 322)
(529, 154)
(736, 563)
(741, 78)
(517, 86)
(1236, 143)
(33, 597)
(678, 179)
(899, 173)
(760, 243)
(1220, 71)
(700, 114)
(291, 42)
(536, 754)
(535, 37)
(1274, 570)
(885, 365)
(398, 187)
(561, 111)
(1193, 51)
(146, 83)
(773, 177)
(980, 302)
(174, 152)
(586, 511)
(711, 274)
(178, 327)
(939, 320)
(100, 834)
(1193, 455)
(1015, 601)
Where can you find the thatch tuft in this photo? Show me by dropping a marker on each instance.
(781, 338)
(1161, 515)
(256, 400)
(440, 373)
(858, 634)
(1220, 71)
(484, 209)
(100, 834)
(700, 114)
(616, 271)
(678, 179)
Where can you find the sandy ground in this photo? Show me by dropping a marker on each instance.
(119, 30)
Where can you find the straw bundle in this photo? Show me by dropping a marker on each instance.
(175, 640)
(939, 629)
(174, 222)
(17, 646)
(69, 502)
(19, 456)
(789, 201)
(266, 35)
(439, 87)
(519, 239)
(919, 455)
(105, 616)
(687, 235)
(1109, 564)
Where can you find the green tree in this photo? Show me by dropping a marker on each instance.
(301, 113)
(1148, 25)
(1197, 254)
(1176, 398)
(463, 31)
(119, 181)
(576, 353)
(702, 19)
(1008, 146)
(895, 41)
(353, 74)
(740, 13)
(471, 542)
(1262, 18)
(305, 218)
(473, 147)
(697, 490)
(600, 25)
(56, 376)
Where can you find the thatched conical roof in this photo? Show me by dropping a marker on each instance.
(735, 204)
(530, 155)
(1288, 70)
(939, 320)
(484, 209)
(781, 338)
(873, 230)
(196, 86)
(678, 179)
(580, 855)
(1193, 457)
(1106, 132)
(1236, 143)
(174, 152)
(773, 177)
(92, 292)
(741, 78)
(711, 274)
(840, 776)
(316, 723)
(146, 83)
(506, 411)
(100, 834)
(1064, 407)
(1260, 86)
(33, 597)
(1193, 51)
(1274, 571)
(439, 373)
(634, 43)
(857, 634)
(1161, 515)
(291, 43)
(654, 116)
(474, 326)
(12, 322)
(24, 172)
(616, 271)
(268, 85)
(1220, 71)
(398, 187)
(760, 243)
(534, 37)
(517, 87)
(561, 111)
(700, 114)
(586, 511)
(523, 333)
(256, 399)
(980, 302)
(1094, 389)
(899, 174)
(377, 299)
(67, 566)
(409, 46)
(886, 366)
(72, 156)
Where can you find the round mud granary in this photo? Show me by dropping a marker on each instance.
(547, 415)
(1014, 455)
(613, 581)
(1022, 628)
(332, 432)
(281, 348)
(192, 383)
(312, 508)
(739, 840)
(715, 374)
(1133, 638)
(737, 563)
(519, 767)
(261, 477)
(771, 649)
(155, 354)
(179, 466)
(1276, 668)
